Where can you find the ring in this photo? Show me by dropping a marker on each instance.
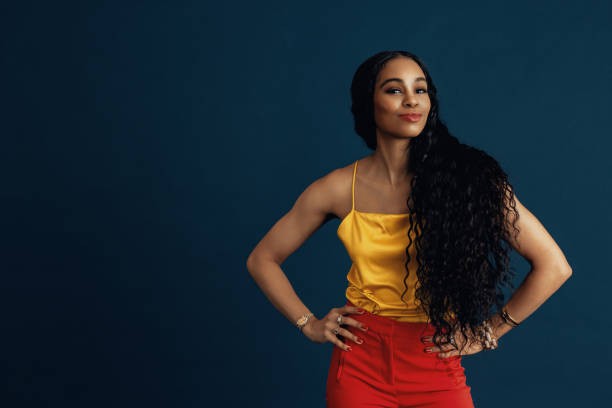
(336, 330)
(339, 320)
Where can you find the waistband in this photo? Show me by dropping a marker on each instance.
(388, 326)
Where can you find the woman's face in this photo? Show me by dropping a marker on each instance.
(401, 89)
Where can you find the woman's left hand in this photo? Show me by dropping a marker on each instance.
(450, 350)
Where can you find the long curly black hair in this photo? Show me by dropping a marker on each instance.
(460, 205)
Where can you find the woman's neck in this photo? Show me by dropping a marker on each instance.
(389, 166)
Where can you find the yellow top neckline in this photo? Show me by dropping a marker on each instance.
(370, 213)
(353, 210)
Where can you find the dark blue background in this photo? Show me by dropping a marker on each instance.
(147, 147)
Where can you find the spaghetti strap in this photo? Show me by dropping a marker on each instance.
(353, 188)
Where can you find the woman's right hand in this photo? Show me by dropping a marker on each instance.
(321, 331)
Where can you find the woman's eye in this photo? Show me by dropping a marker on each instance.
(392, 90)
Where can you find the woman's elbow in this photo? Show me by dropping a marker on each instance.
(250, 262)
(568, 271)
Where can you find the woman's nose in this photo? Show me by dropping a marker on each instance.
(410, 100)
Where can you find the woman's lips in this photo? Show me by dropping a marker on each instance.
(411, 117)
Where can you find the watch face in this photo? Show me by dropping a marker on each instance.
(301, 320)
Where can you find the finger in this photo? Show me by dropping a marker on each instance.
(349, 321)
(443, 347)
(448, 354)
(441, 339)
(343, 332)
(333, 339)
(350, 309)
(429, 339)
(348, 334)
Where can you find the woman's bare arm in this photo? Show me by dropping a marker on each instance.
(549, 268)
(312, 209)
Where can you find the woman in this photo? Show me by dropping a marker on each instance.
(428, 222)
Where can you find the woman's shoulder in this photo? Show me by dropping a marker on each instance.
(340, 174)
(338, 179)
(336, 185)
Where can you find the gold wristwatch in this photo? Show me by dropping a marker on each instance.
(301, 322)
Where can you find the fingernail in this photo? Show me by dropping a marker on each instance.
(359, 340)
(428, 350)
(364, 327)
(361, 311)
(349, 348)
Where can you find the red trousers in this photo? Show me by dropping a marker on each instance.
(391, 369)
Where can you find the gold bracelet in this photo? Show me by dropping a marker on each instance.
(506, 316)
(301, 322)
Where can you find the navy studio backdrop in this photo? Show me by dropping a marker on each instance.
(148, 146)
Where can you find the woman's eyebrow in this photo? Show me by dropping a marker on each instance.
(400, 80)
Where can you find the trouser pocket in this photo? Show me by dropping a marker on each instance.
(340, 364)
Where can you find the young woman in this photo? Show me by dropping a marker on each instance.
(428, 222)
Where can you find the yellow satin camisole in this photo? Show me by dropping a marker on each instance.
(376, 243)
